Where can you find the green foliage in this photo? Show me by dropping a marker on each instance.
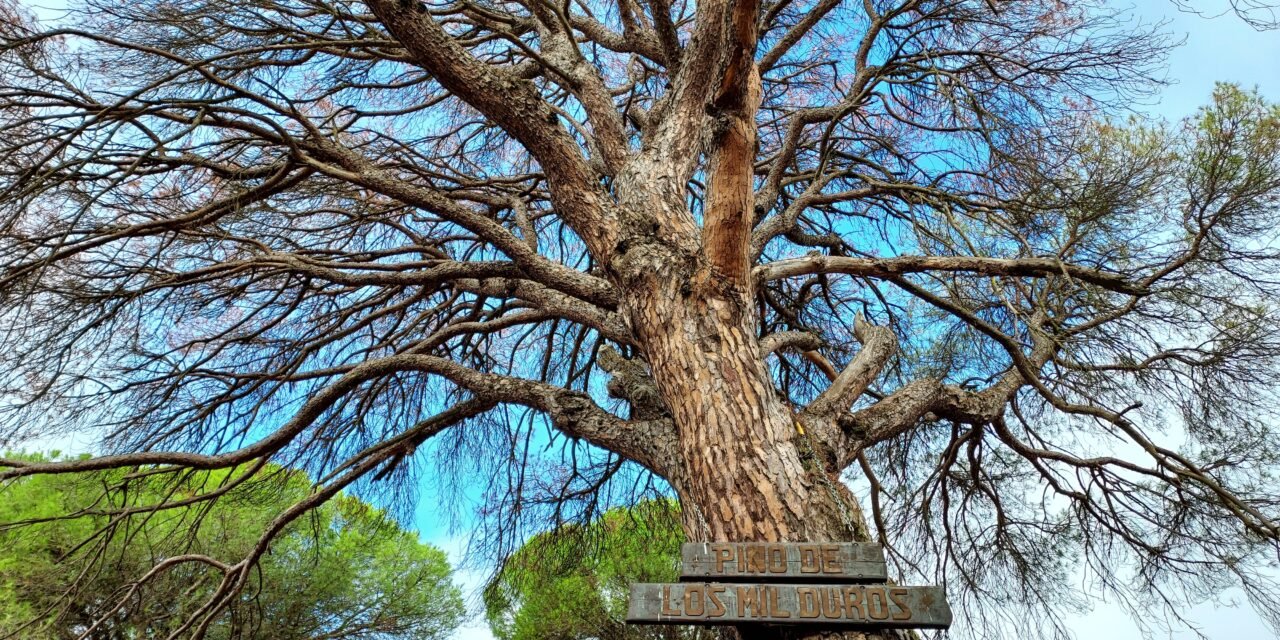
(346, 571)
(571, 583)
(1235, 163)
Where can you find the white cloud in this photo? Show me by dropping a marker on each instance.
(470, 578)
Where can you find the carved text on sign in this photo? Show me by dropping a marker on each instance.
(834, 605)
(783, 561)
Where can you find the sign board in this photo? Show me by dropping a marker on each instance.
(777, 562)
(829, 605)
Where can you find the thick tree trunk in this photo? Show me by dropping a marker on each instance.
(747, 470)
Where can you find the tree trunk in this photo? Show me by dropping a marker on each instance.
(748, 471)
(747, 468)
(748, 474)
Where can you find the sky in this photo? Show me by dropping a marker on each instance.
(1221, 48)
(1217, 49)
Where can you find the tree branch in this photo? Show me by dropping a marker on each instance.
(610, 324)
(878, 345)
(651, 443)
(360, 170)
(929, 400)
(515, 105)
(632, 382)
(804, 341)
(729, 213)
(889, 268)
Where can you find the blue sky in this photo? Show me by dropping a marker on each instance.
(1217, 49)
(1220, 48)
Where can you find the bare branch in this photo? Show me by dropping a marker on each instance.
(889, 268)
(878, 345)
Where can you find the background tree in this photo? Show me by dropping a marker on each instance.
(789, 238)
(347, 572)
(572, 582)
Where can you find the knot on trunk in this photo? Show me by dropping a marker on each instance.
(631, 382)
(642, 258)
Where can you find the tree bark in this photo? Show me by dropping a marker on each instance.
(748, 469)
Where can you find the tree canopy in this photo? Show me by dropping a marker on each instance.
(550, 258)
(571, 582)
(348, 572)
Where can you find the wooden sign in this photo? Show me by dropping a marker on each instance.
(780, 562)
(878, 606)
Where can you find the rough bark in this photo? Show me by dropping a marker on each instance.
(748, 469)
